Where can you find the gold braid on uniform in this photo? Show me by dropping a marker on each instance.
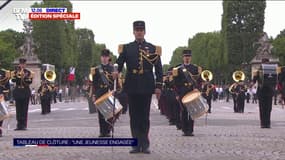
(108, 76)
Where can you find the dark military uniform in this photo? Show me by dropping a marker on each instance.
(207, 92)
(171, 105)
(4, 88)
(233, 91)
(45, 93)
(240, 99)
(140, 83)
(102, 83)
(184, 84)
(22, 95)
(264, 94)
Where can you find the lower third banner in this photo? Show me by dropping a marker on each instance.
(75, 142)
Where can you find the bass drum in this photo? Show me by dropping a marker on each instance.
(196, 105)
(105, 105)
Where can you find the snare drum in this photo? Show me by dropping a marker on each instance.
(105, 105)
(3, 109)
(196, 105)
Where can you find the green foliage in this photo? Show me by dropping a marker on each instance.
(55, 40)
(85, 42)
(177, 56)
(242, 26)
(10, 41)
(279, 47)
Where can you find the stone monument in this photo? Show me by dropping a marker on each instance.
(263, 51)
(33, 63)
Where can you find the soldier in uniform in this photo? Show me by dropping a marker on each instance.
(186, 78)
(233, 91)
(102, 83)
(44, 92)
(23, 78)
(240, 99)
(264, 94)
(207, 91)
(4, 88)
(140, 57)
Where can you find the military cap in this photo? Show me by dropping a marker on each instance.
(139, 25)
(105, 52)
(187, 52)
(22, 60)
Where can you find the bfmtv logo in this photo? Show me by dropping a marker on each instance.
(21, 13)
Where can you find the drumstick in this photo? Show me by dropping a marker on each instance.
(115, 89)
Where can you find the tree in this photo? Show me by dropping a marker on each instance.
(10, 42)
(242, 25)
(56, 40)
(279, 47)
(177, 56)
(85, 40)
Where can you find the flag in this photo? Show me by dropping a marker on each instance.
(71, 75)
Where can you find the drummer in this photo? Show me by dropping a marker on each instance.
(102, 83)
(186, 79)
(4, 89)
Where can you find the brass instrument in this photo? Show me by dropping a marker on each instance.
(19, 73)
(50, 75)
(44, 89)
(232, 87)
(238, 76)
(207, 75)
(7, 77)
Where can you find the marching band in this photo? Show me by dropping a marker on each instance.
(184, 92)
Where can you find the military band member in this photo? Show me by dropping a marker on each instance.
(140, 57)
(233, 91)
(4, 89)
(207, 92)
(45, 94)
(23, 78)
(102, 83)
(240, 99)
(186, 78)
(264, 94)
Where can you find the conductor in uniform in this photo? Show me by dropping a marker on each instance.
(102, 83)
(186, 79)
(140, 57)
(23, 78)
(264, 94)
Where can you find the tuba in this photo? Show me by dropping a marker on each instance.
(50, 75)
(238, 76)
(207, 75)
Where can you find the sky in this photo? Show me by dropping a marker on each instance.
(169, 24)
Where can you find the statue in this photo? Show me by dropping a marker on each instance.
(264, 45)
(27, 48)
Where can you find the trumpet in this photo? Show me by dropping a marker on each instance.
(19, 73)
(50, 75)
(207, 75)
